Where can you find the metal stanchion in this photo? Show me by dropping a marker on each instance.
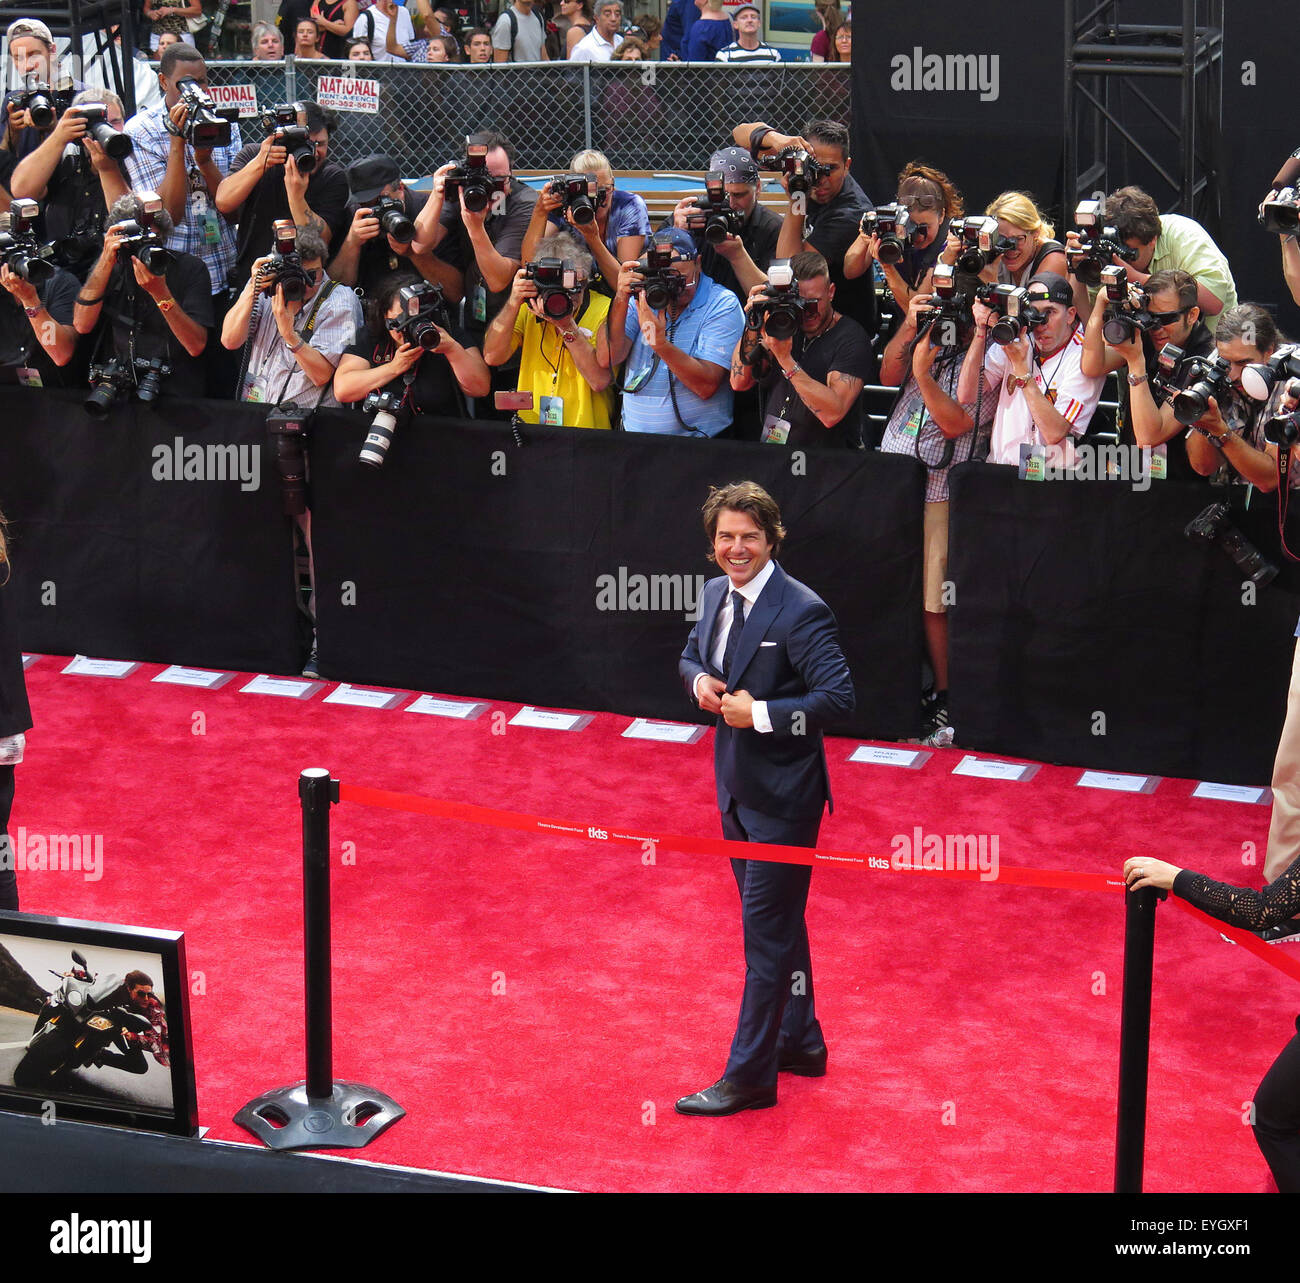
(1135, 1037)
(320, 1113)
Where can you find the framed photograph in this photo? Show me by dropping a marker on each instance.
(95, 1023)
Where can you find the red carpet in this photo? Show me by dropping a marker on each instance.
(537, 1005)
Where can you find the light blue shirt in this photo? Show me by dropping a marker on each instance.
(707, 330)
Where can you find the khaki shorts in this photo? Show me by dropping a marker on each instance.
(936, 555)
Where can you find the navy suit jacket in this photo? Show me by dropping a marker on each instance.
(790, 656)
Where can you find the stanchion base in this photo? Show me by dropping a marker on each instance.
(350, 1118)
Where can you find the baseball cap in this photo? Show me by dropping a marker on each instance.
(369, 176)
(681, 241)
(735, 13)
(1050, 287)
(30, 27)
(735, 162)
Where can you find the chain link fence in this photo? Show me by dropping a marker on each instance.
(643, 115)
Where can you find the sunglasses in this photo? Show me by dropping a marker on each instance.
(1167, 318)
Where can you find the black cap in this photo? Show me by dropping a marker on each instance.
(1050, 287)
(369, 176)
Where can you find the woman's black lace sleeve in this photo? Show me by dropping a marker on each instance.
(1254, 910)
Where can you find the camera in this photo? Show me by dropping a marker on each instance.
(558, 284)
(1097, 244)
(39, 101)
(779, 310)
(149, 375)
(981, 242)
(1164, 382)
(385, 406)
(472, 179)
(391, 213)
(712, 213)
(953, 306)
(582, 195)
(424, 310)
(802, 172)
(894, 225)
(659, 284)
(283, 128)
(284, 265)
(1213, 525)
(1126, 307)
(286, 430)
(1201, 378)
(109, 383)
(1283, 429)
(1015, 315)
(1259, 379)
(143, 240)
(1282, 213)
(205, 125)
(20, 251)
(116, 143)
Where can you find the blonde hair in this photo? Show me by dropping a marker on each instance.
(591, 162)
(1019, 209)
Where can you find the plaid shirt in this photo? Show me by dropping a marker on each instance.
(147, 166)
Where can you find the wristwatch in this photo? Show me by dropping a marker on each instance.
(1136, 380)
(165, 304)
(294, 347)
(32, 312)
(1016, 382)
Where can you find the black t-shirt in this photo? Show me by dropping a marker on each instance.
(291, 13)
(758, 236)
(19, 345)
(138, 325)
(844, 347)
(434, 389)
(327, 194)
(331, 46)
(73, 217)
(830, 229)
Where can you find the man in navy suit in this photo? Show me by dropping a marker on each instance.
(765, 658)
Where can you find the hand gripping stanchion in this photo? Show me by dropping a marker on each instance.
(1135, 1038)
(320, 1113)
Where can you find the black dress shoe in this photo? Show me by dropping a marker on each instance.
(726, 1098)
(808, 1064)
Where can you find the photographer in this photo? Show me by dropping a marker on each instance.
(187, 178)
(616, 234)
(1044, 398)
(76, 178)
(368, 253)
(1146, 418)
(265, 186)
(813, 377)
(1228, 442)
(383, 358)
(924, 361)
(31, 55)
(931, 202)
(739, 261)
(293, 345)
(565, 351)
(678, 355)
(172, 325)
(828, 216)
(1165, 241)
(36, 335)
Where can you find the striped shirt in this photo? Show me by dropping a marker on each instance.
(1061, 379)
(736, 52)
(146, 167)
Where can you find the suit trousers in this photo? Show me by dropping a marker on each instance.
(777, 1011)
(1284, 827)
(8, 856)
(1277, 1117)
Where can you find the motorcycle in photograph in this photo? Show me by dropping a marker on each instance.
(82, 1016)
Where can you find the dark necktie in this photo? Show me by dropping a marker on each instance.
(733, 637)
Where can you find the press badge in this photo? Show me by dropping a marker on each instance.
(478, 302)
(1032, 461)
(912, 427)
(638, 380)
(551, 411)
(1157, 461)
(775, 431)
(29, 377)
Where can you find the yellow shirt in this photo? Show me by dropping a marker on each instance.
(547, 370)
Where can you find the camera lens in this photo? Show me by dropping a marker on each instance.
(556, 303)
(378, 439)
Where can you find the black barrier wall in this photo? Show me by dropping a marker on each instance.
(563, 572)
(115, 556)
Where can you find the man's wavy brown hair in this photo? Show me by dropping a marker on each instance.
(747, 497)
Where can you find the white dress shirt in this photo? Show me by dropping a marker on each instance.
(750, 592)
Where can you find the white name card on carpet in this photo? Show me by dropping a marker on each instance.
(175, 675)
(28, 661)
(986, 768)
(1232, 792)
(1119, 783)
(286, 687)
(911, 758)
(665, 732)
(546, 719)
(360, 697)
(83, 666)
(446, 708)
